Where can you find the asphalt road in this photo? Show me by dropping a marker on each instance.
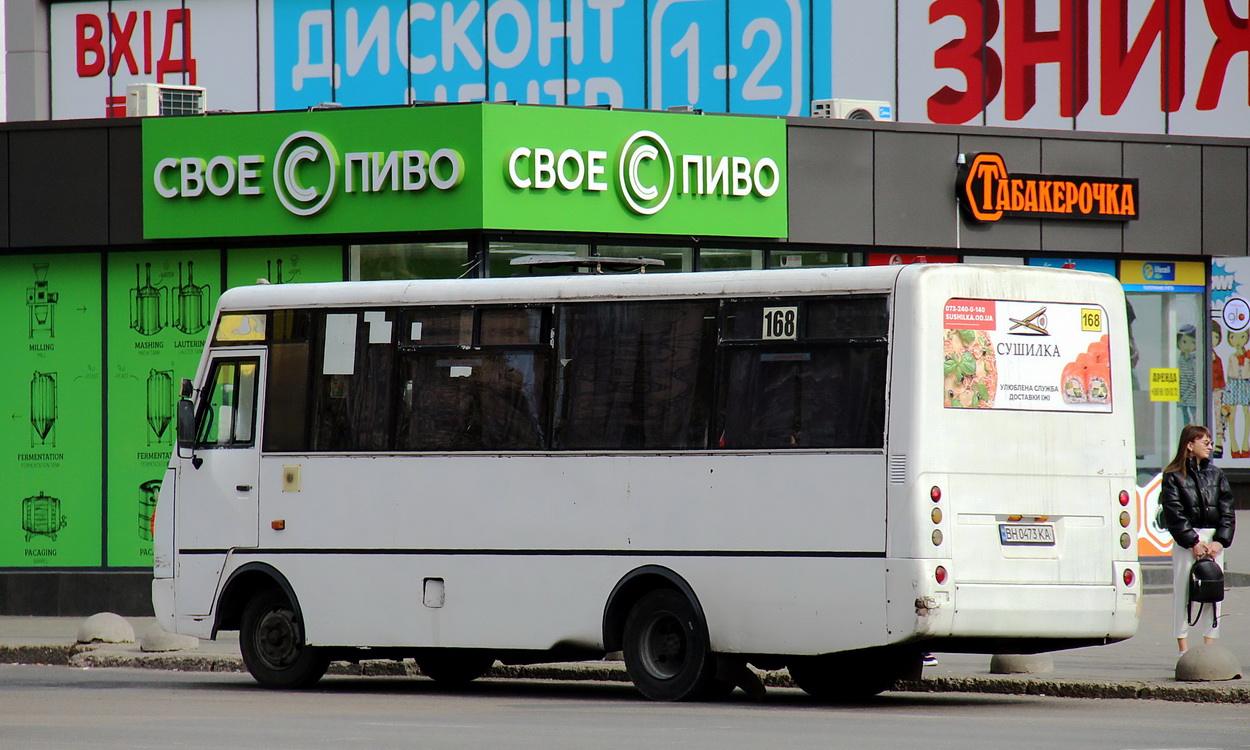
(63, 708)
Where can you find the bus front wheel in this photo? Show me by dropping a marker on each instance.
(271, 641)
(667, 652)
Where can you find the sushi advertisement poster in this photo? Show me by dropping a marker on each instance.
(1034, 356)
(50, 434)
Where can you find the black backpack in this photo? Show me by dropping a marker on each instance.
(1206, 585)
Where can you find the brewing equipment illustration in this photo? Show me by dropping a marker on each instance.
(269, 272)
(149, 305)
(149, 491)
(41, 516)
(41, 304)
(160, 408)
(191, 311)
(43, 409)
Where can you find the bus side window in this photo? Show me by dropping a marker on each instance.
(635, 375)
(227, 415)
(286, 399)
(819, 382)
(466, 392)
(353, 363)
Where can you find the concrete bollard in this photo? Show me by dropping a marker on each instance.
(106, 627)
(1207, 663)
(154, 639)
(1021, 664)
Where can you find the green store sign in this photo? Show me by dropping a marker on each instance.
(471, 166)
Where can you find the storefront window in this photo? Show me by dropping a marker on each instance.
(1229, 417)
(1169, 351)
(417, 260)
(730, 259)
(675, 258)
(806, 258)
(503, 253)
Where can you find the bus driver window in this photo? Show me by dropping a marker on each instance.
(227, 418)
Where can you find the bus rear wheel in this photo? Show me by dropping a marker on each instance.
(454, 667)
(271, 641)
(667, 651)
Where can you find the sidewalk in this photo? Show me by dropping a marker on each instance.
(1141, 667)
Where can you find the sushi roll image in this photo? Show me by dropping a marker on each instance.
(1074, 382)
(1100, 351)
(1098, 382)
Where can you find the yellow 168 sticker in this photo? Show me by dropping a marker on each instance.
(1091, 319)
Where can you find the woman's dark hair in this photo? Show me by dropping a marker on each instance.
(1191, 433)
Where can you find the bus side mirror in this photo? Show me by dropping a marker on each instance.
(186, 426)
(187, 388)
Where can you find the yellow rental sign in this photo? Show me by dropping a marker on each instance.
(1165, 384)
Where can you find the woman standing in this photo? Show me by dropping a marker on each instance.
(1198, 511)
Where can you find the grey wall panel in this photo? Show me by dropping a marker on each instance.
(1224, 202)
(1022, 155)
(830, 184)
(914, 193)
(1094, 159)
(124, 183)
(58, 187)
(1171, 198)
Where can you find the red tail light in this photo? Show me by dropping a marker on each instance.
(939, 575)
(1124, 497)
(935, 493)
(1129, 577)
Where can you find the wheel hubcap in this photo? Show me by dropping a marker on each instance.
(664, 643)
(278, 638)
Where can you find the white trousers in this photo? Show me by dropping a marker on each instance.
(1182, 561)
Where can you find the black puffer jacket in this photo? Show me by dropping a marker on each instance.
(1202, 499)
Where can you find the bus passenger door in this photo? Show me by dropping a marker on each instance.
(217, 508)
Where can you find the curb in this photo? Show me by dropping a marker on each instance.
(96, 656)
(1181, 692)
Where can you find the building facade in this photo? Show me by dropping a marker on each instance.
(117, 234)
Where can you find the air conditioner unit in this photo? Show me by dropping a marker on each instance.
(164, 100)
(853, 109)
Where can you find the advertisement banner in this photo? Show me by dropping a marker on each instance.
(160, 307)
(50, 435)
(1229, 419)
(655, 173)
(99, 48)
(1163, 276)
(1035, 356)
(246, 266)
(464, 167)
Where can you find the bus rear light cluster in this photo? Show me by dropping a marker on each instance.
(939, 574)
(935, 493)
(1124, 498)
(1129, 577)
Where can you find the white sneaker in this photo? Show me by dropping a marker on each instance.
(929, 660)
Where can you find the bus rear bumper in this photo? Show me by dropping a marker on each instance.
(1045, 611)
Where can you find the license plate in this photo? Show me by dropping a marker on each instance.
(1026, 533)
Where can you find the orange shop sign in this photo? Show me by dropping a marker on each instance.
(988, 192)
